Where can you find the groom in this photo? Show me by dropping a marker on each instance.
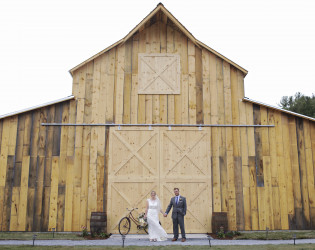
(179, 211)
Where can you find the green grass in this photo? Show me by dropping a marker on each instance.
(40, 236)
(266, 247)
(277, 235)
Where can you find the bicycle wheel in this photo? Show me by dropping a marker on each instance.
(124, 226)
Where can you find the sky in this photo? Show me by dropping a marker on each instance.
(41, 40)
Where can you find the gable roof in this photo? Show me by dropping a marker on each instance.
(160, 7)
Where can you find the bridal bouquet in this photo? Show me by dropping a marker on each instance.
(142, 220)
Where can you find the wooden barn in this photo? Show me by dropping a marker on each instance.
(157, 110)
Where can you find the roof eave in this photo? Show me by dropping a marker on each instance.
(37, 107)
(279, 109)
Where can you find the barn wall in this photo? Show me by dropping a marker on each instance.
(42, 186)
(55, 176)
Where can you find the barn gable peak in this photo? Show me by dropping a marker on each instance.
(160, 8)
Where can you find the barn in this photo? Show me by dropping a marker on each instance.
(157, 110)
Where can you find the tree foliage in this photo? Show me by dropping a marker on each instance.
(299, 103)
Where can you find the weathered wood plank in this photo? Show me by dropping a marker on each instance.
(19, 151)
(192, 103)
(110, 86)
(245, 164)
(57, 130)
(213, 89)
(52, 222)
(22, 208)
(240, 221)
(199, 84)
(100, 182)
(8, 194)
(206, 85)
(134, 80)
(148, 98)
(274, 171)
(119, 84)
(38, 203)
(303, 172)
(163, 47)
(295, 174)
(14, 205)
(177, 98)
(141, 98)
(261, 207)
(170, 98)
(309, 170)
(69, 195)
(127, 82)
(231, 187)
(47, 173)
(287, 167)
(253, 193)
(281, 172)
(85, 160)
(258, 147)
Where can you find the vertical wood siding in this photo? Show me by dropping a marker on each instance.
(54, 177)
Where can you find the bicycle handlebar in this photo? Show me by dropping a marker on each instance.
(130, 210)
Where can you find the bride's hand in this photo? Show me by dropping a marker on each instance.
(145, 216)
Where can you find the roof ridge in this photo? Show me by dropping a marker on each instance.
(159, 7)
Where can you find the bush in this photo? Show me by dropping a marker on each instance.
(84, 231)
(221, 233)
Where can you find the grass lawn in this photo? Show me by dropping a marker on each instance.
(267, 247)
(277, 235)
(40, 236)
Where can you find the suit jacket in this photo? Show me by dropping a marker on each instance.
(178, 209)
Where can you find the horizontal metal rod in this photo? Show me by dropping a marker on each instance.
(153, 125)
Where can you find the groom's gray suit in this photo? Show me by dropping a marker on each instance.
(179, 211)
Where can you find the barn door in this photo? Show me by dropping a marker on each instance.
(133, 171)
(185, 163)
(160, 159)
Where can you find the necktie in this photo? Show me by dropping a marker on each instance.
(176, 199)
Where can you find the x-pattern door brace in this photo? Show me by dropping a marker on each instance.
(133, 152)
(204, 187)
(159, 73)
(185, 153)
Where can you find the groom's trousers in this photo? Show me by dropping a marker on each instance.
(179, 220)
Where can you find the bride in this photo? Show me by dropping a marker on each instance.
(156, 231)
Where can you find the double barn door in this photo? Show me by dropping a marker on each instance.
(142, 160)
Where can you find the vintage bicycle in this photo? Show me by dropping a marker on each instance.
(125, 223)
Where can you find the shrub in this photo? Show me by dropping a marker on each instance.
(84, 231)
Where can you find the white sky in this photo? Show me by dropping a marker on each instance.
(41, 40)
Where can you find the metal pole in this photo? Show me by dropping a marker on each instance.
(209, 238)
(156, 125)
(123, 239)
(34, 237)
(267, 228)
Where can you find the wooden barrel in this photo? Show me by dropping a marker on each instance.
(98, 222)
(219, 219)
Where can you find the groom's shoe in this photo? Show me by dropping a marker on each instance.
(183, 239)
(174, 239)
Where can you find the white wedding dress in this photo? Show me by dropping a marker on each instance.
(155, 230)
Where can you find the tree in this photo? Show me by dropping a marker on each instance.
(299, 103)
